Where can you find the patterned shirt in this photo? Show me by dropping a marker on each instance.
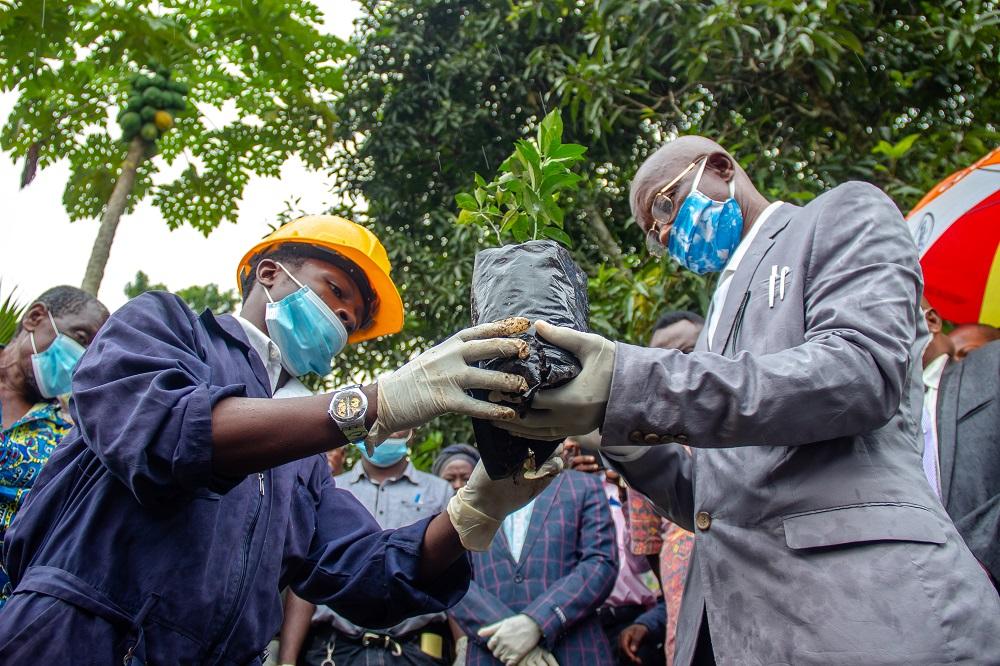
(24, 448)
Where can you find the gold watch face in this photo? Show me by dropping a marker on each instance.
(347, 407)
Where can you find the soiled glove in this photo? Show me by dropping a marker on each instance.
(512, 638)
(577, 407)
(538, 657)
(479, 507)
(435, 382)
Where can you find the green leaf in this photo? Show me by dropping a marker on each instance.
(557, 235)
(466, 201)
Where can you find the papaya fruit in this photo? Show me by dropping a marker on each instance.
(151, 95)
(164, 72)
(160, 82)
(163, 121)
(131, 122)
(134, 103)
(149, 132)
(148, 113)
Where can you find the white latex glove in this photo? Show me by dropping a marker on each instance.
(512, 638)
(479, 507)
(435, 382)
(578, 407)
(538, 657)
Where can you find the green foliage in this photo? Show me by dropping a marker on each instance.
(263, 66)
(198, 297)
(11, 311)
(523, 201)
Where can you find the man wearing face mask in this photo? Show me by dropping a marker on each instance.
(165, 524)
(36, 369)
(396, 494)
(817, 538)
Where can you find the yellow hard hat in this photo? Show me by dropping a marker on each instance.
(353, 242)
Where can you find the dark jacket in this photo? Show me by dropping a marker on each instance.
(129, 519)
(567, 567)
(968, 421)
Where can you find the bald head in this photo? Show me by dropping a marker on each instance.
(672, 158)
(972, 336)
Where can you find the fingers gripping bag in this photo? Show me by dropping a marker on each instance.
(538, 280)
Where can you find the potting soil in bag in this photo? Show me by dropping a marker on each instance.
(537, 280)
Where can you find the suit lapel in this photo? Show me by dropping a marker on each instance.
(543, 504)
(947, 423)
(738, 288)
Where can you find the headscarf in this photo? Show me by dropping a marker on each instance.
(452, 452)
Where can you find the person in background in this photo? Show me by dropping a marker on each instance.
(36, 369)
(534, 592)
(396, 494)
(455, 463)
(961, 426)
(631, 597)
(972, 336)
(667, 545)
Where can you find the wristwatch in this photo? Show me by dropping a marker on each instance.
(348, 409)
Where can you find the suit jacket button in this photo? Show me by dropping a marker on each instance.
(651, 438)
(635, 436)
(518, 578)
(703, 520)
(681, 439)
(666, 439)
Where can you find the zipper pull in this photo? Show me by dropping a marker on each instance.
(260, 477)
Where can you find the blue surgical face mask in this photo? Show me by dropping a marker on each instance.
(388, 453)
(306, 330)
(53, 367)
(705, 231)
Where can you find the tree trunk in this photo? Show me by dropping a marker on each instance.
(607, 241)
(112, 214)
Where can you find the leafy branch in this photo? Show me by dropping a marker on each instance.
(523, 201)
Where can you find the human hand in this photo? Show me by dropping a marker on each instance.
(478, 508)
(585, 463)
(511, 639)
(577, 407)
(630, 639)
(435, 382)
(538, 657)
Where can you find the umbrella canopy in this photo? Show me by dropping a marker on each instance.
(957, 230)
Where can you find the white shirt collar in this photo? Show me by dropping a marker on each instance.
(933, 372)
(741, 249)
(269, 353)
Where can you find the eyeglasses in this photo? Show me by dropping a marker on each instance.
(662, 211)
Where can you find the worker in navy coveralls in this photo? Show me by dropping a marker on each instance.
(167, 521)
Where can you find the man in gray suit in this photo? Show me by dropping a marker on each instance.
(968, 425)
(818, 538)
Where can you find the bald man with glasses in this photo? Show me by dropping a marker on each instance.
(817, 537)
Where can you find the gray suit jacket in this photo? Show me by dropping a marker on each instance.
(818, 538)
(968, 422)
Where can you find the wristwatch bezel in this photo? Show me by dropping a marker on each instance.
(353, 427)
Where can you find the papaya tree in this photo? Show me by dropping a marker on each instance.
(172, 101)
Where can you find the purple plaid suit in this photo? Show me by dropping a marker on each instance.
(567, 568)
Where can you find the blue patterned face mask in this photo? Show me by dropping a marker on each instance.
(53, 367)
(388, 453)
(308, 333)
(705, 231)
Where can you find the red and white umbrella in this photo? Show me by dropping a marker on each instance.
(957, 230)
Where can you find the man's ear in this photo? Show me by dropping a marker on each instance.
(722, 165)
(34, 316)
(267, 272)
(934, 322)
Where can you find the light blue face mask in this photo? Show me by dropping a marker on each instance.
(306, 330)
(705, 231)
(53, 367)
(388, 453)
